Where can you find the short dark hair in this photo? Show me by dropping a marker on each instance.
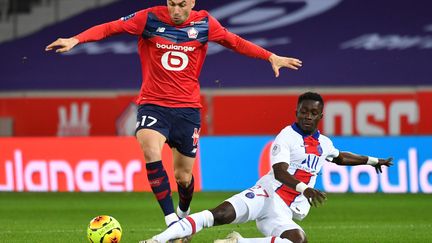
(310, 96)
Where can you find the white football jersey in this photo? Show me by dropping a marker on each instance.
(305, 155)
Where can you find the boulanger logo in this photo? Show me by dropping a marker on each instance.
(175, 47)
(174, 61)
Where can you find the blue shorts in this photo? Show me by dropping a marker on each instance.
(180, 126)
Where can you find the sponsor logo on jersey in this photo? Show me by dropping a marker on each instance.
(198, 22)
(305, 167)
(128, 17)
(175, 47)
(250, 195)
(174, 61)
(192, 33)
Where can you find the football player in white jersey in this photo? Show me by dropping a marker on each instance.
(286, 192)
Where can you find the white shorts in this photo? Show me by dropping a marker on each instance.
(272, 215)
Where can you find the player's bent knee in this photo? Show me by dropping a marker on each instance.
(295, 235)
(222, 217)
(183, 179)
(182, 176)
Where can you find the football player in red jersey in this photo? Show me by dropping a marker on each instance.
(172, 47)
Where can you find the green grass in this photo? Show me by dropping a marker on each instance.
(63, 217)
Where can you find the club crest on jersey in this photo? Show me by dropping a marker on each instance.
(128, 17)
(192, 33)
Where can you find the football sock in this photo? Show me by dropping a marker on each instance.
(264, 240)
(185, 195)
(187, 226)
(171, 219)
(198, 221)
(160, 186)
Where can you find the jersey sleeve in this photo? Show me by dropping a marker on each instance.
(220, 35)
(280, 149)
(133, 24)
(333, 151)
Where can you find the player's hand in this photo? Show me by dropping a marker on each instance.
(314, 196)
(386, 162)
(278, 62)
(62, 45)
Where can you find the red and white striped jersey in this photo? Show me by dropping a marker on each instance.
(305, 155)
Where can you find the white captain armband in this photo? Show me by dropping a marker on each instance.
(300, 187)
(372, 161)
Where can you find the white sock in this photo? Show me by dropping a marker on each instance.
(187, 226)
(203, 219)
(171, 218)
(182, 214)
(264, 240)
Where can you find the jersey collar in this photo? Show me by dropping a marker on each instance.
(299, 131)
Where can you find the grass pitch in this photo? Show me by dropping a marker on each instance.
(63, 217)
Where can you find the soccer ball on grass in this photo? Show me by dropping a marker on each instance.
(104, 229)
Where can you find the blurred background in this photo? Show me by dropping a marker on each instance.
(67, 121)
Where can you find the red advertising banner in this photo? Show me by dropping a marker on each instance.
(104, 115)
(375, 114)
(70, 116)
(78, 164)
(346, 113)
(425, 102)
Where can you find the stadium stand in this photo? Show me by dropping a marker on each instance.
(374, 53)
(20, 18)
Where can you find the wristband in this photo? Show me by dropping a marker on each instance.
(372, 161)
(300, 187)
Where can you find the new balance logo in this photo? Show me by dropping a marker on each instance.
(160, 29)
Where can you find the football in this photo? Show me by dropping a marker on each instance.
(104, 229)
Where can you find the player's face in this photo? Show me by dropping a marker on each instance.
(179, 10)
(309, 113)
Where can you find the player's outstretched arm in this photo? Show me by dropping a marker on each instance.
(347, 158)
(278, 62)
(62, 45)
(315, 197)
